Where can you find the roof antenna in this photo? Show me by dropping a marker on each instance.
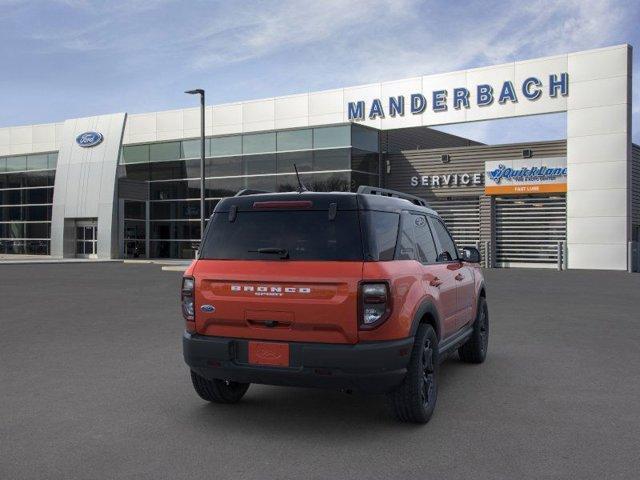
(301, 187)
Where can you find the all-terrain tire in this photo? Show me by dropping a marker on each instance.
(475, 349)
(218, 391)
(415, 399)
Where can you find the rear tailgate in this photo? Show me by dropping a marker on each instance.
(298, 301)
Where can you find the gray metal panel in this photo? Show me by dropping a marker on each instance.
(416, 138)
(85, 184)
(635, 185)
(462, 217)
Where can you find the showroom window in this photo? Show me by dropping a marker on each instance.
(26, 197)
(295, 140)
(225, 146)
(258, 161)
(259, 143)
(332, 137)
(161, 152)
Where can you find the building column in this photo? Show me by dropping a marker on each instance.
(599, 158)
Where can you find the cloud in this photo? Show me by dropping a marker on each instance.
(512, 130)
(493, 35)
(267, 47)
(376, 39)
(290, 24)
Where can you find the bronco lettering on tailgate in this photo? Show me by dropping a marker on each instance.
(269, 290)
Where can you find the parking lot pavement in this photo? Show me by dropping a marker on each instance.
(92, 385)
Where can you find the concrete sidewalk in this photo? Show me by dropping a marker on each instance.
(168, 264)
(37, 259)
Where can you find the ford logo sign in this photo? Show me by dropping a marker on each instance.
(89, 139)
(208, 308)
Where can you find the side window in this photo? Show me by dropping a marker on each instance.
(446, 246)
(426, 248)
(406, 249)
(383, 233)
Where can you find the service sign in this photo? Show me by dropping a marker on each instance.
(524, 176)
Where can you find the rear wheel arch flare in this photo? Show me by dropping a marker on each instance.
(427, 314)
(482, 295)
(429, 320)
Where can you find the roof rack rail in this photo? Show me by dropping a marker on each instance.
(385, 192)
(248, 191)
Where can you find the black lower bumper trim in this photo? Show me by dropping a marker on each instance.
(373, 367)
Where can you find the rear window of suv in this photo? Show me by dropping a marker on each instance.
(273, 235)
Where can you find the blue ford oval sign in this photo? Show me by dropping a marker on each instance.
(89, 139)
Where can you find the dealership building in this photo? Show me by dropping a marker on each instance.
(127, 185)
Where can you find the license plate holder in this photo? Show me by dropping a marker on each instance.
(269, 354)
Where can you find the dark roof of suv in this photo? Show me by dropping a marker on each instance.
(321, 201)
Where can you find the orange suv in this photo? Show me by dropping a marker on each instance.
(357, 291)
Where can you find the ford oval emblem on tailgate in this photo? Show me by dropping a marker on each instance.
(208, 308)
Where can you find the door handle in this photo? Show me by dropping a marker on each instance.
(436, 282)
(459, 277)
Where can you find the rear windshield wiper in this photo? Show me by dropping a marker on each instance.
(284, 254)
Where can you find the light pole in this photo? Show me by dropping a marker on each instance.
(200, 91)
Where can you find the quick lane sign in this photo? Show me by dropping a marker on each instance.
(513, 177)
(482, 95)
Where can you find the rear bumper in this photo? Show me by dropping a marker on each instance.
(372, 367)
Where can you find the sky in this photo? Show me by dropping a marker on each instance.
(74, 58)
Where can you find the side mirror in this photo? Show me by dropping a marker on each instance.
(444, 257)
(471, 255)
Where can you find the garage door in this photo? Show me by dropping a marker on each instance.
(528, 230)
(462, 217)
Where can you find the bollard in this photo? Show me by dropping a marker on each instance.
(487, 261)
(559, 256)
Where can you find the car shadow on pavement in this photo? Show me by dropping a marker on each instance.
(285, 410)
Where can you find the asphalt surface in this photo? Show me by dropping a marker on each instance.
(92, 385)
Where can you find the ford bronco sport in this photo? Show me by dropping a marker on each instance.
(357, 291)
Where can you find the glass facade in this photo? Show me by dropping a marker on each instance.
(26, 196)
(134, 229)
(335, 158)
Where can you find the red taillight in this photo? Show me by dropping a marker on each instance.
(187, 298)
(375, 304)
